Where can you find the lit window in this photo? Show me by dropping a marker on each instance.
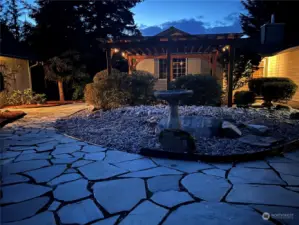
(162, 69)
(178, 68)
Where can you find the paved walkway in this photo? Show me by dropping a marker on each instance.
(49, 179)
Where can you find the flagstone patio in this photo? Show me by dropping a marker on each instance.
(48, 178)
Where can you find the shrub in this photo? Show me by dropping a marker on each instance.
(103, 74)
(141, 87)
(273, 89)
(207, 91)
(25, 97)
(244, 98)
(3, 98)
(91, 95)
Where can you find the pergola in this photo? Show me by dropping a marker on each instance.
(174, 43)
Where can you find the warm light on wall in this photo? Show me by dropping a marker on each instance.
(225, 48)
(123, 54)
(116, 50)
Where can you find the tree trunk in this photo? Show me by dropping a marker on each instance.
(60, 89)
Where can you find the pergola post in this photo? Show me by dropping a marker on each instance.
(108, 59)
(230, 75)
(129, 65)
(169, 67)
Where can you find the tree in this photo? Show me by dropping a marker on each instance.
(64, 68)
(259, 13)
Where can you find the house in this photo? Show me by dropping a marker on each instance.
(284, 63)
(14, 63)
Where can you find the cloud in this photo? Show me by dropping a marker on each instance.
(230, 24)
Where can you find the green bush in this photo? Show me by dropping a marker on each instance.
(103, 74)
(25, 97)
(141, 87)
(273, 89)
(244, 98)
(206, 89)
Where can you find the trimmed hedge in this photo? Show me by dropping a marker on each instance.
(273, 88)
(244, 98)
(206, 89)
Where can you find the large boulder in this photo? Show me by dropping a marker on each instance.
(294, 116)
(230, 130)
(259, 141)
(258, 129)
(197, 126)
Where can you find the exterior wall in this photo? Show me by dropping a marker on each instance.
(194, 66)
(205, 68)
(20, 73)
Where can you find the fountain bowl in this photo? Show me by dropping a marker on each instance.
(173, 95)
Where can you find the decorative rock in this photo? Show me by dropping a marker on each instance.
(22, 210)
(171, 198)
(164, 183)
(286, 168)
(184, 166)
(117, 156)
(229, 130)
(46, 218)
(176, 141)
(95, 156)
(263, 194)
(23, 166)
(46, 174)
(209, 188)
(13, 194)
(81, 163)
(100, 170)
(93, 148)
(146, 213)
(119, 195)
(72, 191)
(152, 172)
(65, 178)
(109, 221)
(285, 215)
(12, 179)
(54, 206)
(294, 116)
(197, 126)
(255, 176)
(258, 140)
(214, 213)
(215, 172)
(80, 213)
(135, 165)
(258, 129)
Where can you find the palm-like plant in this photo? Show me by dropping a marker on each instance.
(64, 68)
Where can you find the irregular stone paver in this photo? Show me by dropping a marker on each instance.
(93, 148)
(78, 154)
(54, 206)
(223, 166)
(207, 187)
(64, 156)
(20, 211)
(291, 180)
(118, 156)
(64, 161)
(46, 146)
(152, 172)
(286, 168)
(80, 212)
(171, 198)
(254, 164)
(24, 166)
(45, 218)
(292, 155)
(46, 174)
(5, 161)
(119, 195)
(147, 213)
(212, 213)
(255, 176)
(100, 170)
(81, 163)
(31, 156)
(277, 159)
(164, 183)
(65, 178)
(66, 148)
(6, 155)
(215, 172)
(293, 188)
(285, 215)
(94, 156)
(21, 148)
(109, 221)
(13, 179)
(135, 165)
(71, 170)
(72, 191)
(22, 192)
(184, 166)
(263, 194)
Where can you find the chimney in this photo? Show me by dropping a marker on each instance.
(272, 33)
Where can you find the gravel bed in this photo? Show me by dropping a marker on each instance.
(132, 128)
